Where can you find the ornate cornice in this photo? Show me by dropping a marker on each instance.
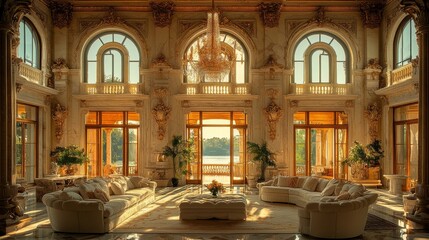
(11, 11)
(61, 13)
(270, 13)
(371, 14)
(162, 13)
(418, 10)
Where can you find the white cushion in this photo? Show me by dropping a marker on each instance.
(117, 188)
(69, 195)
(322, 184)
(284, 181)
(311, 184)
(102, 195)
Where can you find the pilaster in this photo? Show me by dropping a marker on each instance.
(10, 13)
(419, 11)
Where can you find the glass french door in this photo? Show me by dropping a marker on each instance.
(219, 147)
(320, 143)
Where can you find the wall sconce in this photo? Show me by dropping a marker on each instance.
(272, 112)
(161, 112)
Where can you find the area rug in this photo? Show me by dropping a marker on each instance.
(163, 217)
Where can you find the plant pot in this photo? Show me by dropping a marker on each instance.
(175, 182)
(359, 171)
(374, 173)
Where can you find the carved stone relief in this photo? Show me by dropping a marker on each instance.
(272, 112)
(293, 103)
(18, 87)
(270, 13)
(61, 12)
(160, 61)
(162, 13)
(373, 114)
(161, 112)
(349, 104)
(59, 67)
(371, 14)
(247, 26)
(59, 115)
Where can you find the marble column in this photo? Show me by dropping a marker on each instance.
(419, 11)
(10, 13)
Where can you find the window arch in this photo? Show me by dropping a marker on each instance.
(112, 57)
(406, 47)
(321, 58)
(29, 43)
(231, 47)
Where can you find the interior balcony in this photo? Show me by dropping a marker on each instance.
(29, 73)
(321, 89)
(111, 88)
(216, 88)
(404, 73)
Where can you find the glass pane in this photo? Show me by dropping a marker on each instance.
(240, 76)
(239, 118)
(407, 42)
(299, 73)
(322, 151)
(26, 112)
(91, 72)
(414, 46)
(119, 38)
(113, 151)
(321, 117)
(300, 152)
(299, 118)
(132, 151)
(314, 38)
(113, 63)
(133, 118)
(193, 118)
(339, 50)
(19, 150)
(216, 154)
(93, 50)
(194, 166)
(134, 72)
(216, 118)
(324, 67)
(342, 118)
(325, 38)
(401, 134)
(300, 50)
(341, 151)
(414, 143)
(112, 117)
(107, 38)
(92, 152)
(91, 118)
(239, 155)
(30, 152)
(408, 112)
(315, 66)
(133, 51)
(399, 51)
(341, 72)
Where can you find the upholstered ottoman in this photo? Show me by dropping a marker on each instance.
(205, 206)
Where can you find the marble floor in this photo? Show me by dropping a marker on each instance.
(388, 207)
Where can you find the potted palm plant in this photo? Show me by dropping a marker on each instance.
(180, 152)
(261, 155)
(69, 156)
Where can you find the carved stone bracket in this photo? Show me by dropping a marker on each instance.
(160, 61)
(349, 104)
(373, 114)
(319, 19)
(61, 12)
(293, 103)
(272, 112)
(18, 87)
(161, 112)
(270, 13)
(59, 115)
(162, 13)
(373, 69)
(371, 14)
(59, 67)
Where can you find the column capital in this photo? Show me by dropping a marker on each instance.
(10, 13)
(419, 11)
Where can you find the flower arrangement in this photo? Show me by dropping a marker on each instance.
(215, 187)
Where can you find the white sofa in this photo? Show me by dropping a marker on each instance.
(329, 208)
(68, 211)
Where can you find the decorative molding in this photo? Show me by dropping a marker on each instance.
(392, 15)
(11, 11)
(349, 104)
(272, 112)
(59, 67)
(18, 87)
(111, 18)
(272, 64)
(15, 42)
(139, 103)
(247, 26)
(83, 103)
(270, 13)
(372, 13)
(293, 103)
(48, 100)
(319, 19)
(373, 114)
(59, 115)
(160, 61)
(419, 11)
(61, 13)
(162, 13)
(186, 25)
(161, 112)
(373, 64)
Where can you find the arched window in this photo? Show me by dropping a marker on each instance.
(321, 58)
(406, 43)
(112, 57)
(231, 47)
(29, 44)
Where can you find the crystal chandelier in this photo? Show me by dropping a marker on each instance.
(212, 63)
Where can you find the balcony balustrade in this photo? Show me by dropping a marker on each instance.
(217, 88)
(33, 75)
(112, 88)
(402, 74)
(321, 89)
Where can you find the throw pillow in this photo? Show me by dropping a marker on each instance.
(343, 196)
(139, 182)
(329, 190)
(103, 184)
(356, 190)
(300, 182)
(339, 187)
(322, 184)
(121, 180)
(117, 188)
(310, 184)
(87, 188)
(102, 195)
(69, 196)
(284, 181)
